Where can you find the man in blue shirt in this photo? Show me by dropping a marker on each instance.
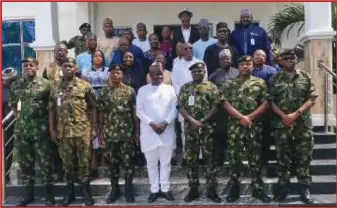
(247, 38)
(260, 69)
(84, 60)
(200, 46)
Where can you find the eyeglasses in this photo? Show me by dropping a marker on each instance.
(188, 48)
(288, 58)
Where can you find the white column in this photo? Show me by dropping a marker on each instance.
(317, 39)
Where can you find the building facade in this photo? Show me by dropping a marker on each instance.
(38, 26)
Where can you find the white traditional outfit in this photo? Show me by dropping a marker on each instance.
(157, 103)
(180, 76)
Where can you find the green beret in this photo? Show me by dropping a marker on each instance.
(85, 25)
(30, 59)
(287, 52)
(245, 58)
(70, 60)
(197, 65)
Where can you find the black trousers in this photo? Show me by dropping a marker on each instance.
(267, 138)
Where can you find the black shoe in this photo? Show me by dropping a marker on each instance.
(50, 200)
(153, 197)
(167, 195)
(114, 194)
(212, 195)
(305, 195)
(88, 200)
(234, 193)
(28, 198)
(192, 195)
(128, 193)
(281, 192)
(69, 197)
(261, 195)
(94, 173)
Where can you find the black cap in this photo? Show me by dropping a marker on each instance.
(197, 65)
(85, 25)
(117, 67)
(70, 60)
(245, 58)
(287, 52)
(30, 59)
(185, 11)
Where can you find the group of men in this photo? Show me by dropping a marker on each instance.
(216, 104)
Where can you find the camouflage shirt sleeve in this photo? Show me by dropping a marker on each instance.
(71, 43)
(264, 96)
(52, 101)
(182, 98)
(14, 95)
(133, 98)
(90, 97)
(312, 89)
(223, 91)
(271, 88)
(215, 100)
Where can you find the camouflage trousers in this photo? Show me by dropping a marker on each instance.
(120, 155)
(245, 143)
(32, 147)
(294, 148)
(76, 154)
(195, 139)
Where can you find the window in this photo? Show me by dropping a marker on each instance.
(16, 37)
(157, 29)
(120, 29)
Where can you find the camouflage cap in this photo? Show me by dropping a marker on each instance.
(85, 25)
(70, 60)
(197, 65)
(245, 58)
(287, 52)
(30, 59)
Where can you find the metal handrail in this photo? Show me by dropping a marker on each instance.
(328, 95)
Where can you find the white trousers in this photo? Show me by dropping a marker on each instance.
(182, 125)
(164, 155)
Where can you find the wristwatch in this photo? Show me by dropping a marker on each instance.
(299, 112)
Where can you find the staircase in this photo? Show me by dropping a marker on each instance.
(323, 188)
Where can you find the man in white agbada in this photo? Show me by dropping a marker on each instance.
(156, 109)
(182, 75)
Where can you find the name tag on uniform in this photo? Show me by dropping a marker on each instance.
(252, 41)
(18, 107)
(191, 100)
(59, 101)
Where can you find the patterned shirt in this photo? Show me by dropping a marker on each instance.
(53, 73)
(72, 102)
(33, 96)
(290, 92)
(117, 104)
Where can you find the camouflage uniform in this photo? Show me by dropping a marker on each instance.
(245, 96)
(206, 97)
(117, 105)
(293, 144)
(74, 127)
(77, 42)
(31, 129)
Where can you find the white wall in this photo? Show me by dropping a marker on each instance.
(18, 10)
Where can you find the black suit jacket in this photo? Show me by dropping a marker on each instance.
(178, 37)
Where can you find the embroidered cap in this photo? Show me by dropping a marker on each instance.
(185, 11)
(245, 12)
(107, 21)
(141, 26)
(225, 52)
(203, 23)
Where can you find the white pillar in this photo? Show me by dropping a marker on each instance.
(317, 39)
(44, 34)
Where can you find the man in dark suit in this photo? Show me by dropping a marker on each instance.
(187, 33)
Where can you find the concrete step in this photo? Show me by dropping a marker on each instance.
(141, 200)
(101, 187)
(324, 138)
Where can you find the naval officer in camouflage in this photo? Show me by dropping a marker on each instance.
(245, 98)
(197, 103)
(72, 105)
(293, 93)
(78, 42)
(118, 129)
(29, 101)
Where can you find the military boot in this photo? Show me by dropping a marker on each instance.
(192, 194)
(69, 197)
(234, 193)
(281, 192)
(212, 195)
(114, 194)
(88, 200)
(305, 194)
(128, 193)
(261, 195)
(50, 201)
(29, 196)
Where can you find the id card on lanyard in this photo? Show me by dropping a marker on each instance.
(191, 98)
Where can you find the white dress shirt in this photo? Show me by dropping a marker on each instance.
(186, 34)
(156, 104)
(144, 45)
